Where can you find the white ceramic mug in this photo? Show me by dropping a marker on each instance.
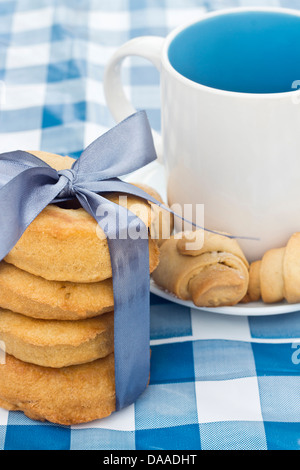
(230, 119)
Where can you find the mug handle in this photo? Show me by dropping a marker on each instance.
(148, 47)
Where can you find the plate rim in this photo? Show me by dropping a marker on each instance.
(237, 310)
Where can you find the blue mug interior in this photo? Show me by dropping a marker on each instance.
(247, 52)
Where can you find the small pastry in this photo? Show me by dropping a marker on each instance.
(278, 277)
(162, 221)
(208, 268)
(56, 343)
(68, 395)
(37, 297)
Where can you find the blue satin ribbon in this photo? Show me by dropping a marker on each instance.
(28, 185)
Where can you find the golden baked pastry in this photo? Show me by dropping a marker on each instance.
(54, 343)
(277, 275)
(64, 244)
(74, 255)
(162, 221)
(209, 269)
(37, 297)
(253, 293)
(69, 395)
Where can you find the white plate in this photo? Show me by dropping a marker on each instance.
(251, 309)
(153, 175)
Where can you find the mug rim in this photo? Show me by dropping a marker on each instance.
(198, 86)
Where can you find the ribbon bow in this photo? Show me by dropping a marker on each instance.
(28, 185)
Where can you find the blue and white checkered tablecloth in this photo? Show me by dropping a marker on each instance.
(217, 381)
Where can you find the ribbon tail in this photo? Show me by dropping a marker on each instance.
(120, 186)
(130, 188)
(131, 285)
(22, 199)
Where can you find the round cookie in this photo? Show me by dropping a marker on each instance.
(66, 244)
(37, 297)
(54, 343)
(162, 221)
(69, 395)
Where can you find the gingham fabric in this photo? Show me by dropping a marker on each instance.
(217, 381)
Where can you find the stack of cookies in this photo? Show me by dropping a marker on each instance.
(56, 314)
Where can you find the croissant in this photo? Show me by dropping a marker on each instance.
(208, 268)
(276, 276)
